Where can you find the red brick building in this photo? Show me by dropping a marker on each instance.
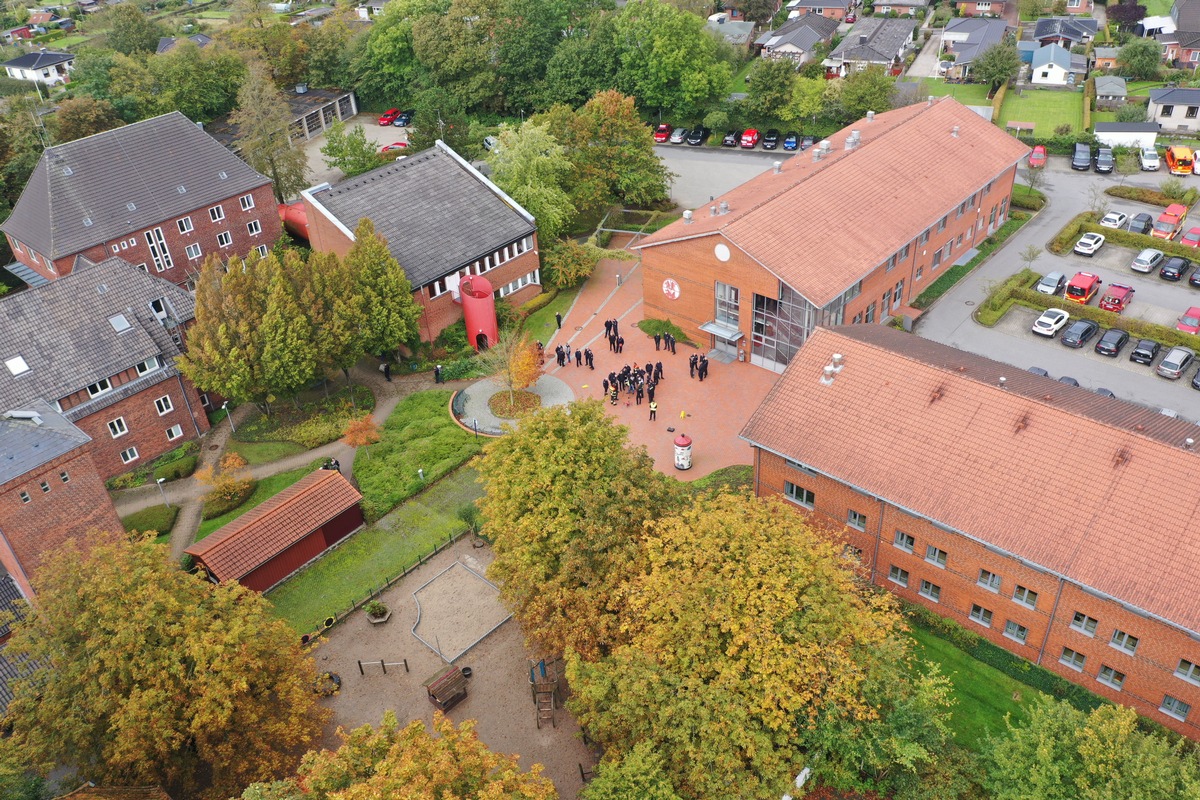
(1032, 512)
(847, 232)
(99, 346)
(443, 221)
(980, 8)
(161, 194)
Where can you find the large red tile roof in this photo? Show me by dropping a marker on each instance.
(265, 531)
(823, 225)
(1087, 487)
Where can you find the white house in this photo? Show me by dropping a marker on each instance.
(1127, 134)
(43, 66)
(1051, 66)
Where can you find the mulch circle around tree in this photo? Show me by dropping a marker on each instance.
(520, 404)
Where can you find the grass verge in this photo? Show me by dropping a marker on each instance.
(159, 519)
(653, 326)
(264, 452)
(266, 489)
(1047, 109)
(956, 273)
(540, 324)
(365, 561)
(734, 478)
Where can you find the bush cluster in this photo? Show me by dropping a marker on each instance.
(1065, 240)
(228, 493)
(541, 301)
(1154, 197)
(174, 470)
(1028, 199)
(998, 302)
(156, 468)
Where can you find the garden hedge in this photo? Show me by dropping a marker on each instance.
(1152, 197)
(1136, 328)
(216, 506)
(174, 470)
(1028, 199)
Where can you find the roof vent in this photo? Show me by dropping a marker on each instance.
(131, 206)
(87, 222)
(1189, 443)
(180, 189)
(102, 288)
(724, 207)
(712, 211)
(1003, 381)
(817, 153)
(862, 38)
(687, 218)
(930, 102)
(825, 145)
(839, 361)
(68, 171)
(827, 375)
(778, 167)
(954, 131)
(870, 116)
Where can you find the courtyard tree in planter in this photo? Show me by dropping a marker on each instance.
(377, 611)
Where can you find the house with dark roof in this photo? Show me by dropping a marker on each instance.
(443, 220)
(1065, 31)
(735, 32)
(980, 8)
(902, 8)
(873, 41)
(265, 545)
(869, 433)
(313, 112)
(99, 346)
(128, 193)
(834, 9)
(42, 66)
(1111, 91)
(168, 43)
(1105, 57)
(796, 38)
(772, 284)
(967, 38)
(1175, 109)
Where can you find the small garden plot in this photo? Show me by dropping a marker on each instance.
(1047, 109)
(456, 610)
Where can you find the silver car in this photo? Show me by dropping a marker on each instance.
(1148, 159)
(1175, 362)
(1147, 260)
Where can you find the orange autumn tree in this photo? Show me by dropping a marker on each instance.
(361, 432)
(514, 361)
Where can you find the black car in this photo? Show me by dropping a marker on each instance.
(791, 140)
(405, 118)
(1174, 268)
(770, 139)
(1141, 223)
(1195, 279)
(1068, 380)
(1039, 371)
(1196, 380)
(1079, 332)
(1145, 351)
(807, 142)
(1111, 342)
(731, 139)
(698, 136)
(1104, 160)
(1082, 160)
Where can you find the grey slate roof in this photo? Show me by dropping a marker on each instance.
(62, 330)
(1178, 96)
(1074, 28)
(436, 212)
(884, 40)
(822, 4)
(1105, 52)
(1110, 86)
(38, 60)
(79, 193)
(31, 435)
(732, 32)
(1052, 54)
(980, 37)
(1186, 14)
(803, 32)
(167, 43)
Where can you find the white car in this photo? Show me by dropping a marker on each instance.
(1147, 260)
(1089, 243)
(1051, 322)
(1148, 159)
(1114, 219)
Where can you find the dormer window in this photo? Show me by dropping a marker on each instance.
(16, 365)
(149, 365)
(99, 387)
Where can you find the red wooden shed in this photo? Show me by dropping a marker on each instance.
(270, 542)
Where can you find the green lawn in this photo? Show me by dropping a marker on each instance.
(983, 693)
(363, 563)
(738, 84)
(1142, 87)
(159, 519)
(540, 324)
(1046, 108)
(266, 489)
(264, 452)
(214, 14)
(1157, 8)
(70, 41)
(971, 94)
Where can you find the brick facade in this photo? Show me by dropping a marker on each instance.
(981, 8)
(1152, 672)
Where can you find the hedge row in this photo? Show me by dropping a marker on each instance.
(1140, 241)
(215, 506)
(539, 302)
(1028, 199)
(1065, 239)
(997, 303)
(1089, 96)
(998, 100)
(1152, 197)
(174, 470)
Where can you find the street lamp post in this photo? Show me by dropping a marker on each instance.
(475, 425)
(228, 415)
(163, 492)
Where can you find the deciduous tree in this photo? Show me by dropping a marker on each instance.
(263, 119)
(639, 774)
(584, 63)
(1131, 112)
(1141, 59)
(808, 99)
(351, 152)
(996, 65)
(275, 46)
(514, 362)
(569, 262)
(289, 355)
(458, 48)
(870, 89)
(129, 30)
(771, 85)
(336, 315)
(201, 84)
(532, 167)
(82, 116)
(150, 675)
(1126, 13)
(390, 314)
(388, 57)
(361, 432)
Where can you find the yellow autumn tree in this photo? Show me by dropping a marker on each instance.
(514, 362)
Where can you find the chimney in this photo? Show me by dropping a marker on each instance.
(839, 361)
(724, 207)
(817, 154)
(1003, 381)
(870, 116)
(1189, 443)
(852, 140)
(826, 146)
(687, 218)
(778, 167)
(712, 211)
(929, 102)
(954, 131)
(827, 375)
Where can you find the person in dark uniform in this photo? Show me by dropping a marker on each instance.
(558, 318)
(657, 341)
(578, 359)
(589, 357)
(437, 374)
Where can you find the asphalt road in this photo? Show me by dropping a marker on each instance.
(702, 173)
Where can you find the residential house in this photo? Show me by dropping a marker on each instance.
(870, 432)
(1105, 57)
(1110, 92)
(902, 8)
(1065, 31)
(980, 8)
(13, 35)
(797, 38)
(1181, 49)
(739, 34)
(967, 38)
(1134, 135)
(834, 9)
(873, 41)
(368, 11)
(1175, 109)
(41, 66)
(1054, 65)
(313, 112)
(99, 345)
(1154, 26)
(168, 43)
(443, 220)
(127, 192)
(772, 284)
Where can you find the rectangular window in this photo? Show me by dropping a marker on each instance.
(802, 467)
(224, 239)
(904, 541)
(1191, 112)
(164, 405)
(897, 575)
(798, 494)
(261, 250)
(1026, 597)
(25, 498)
(924, 237)
(253, 228)
(1072, 659)
(937, 259)
(962, 207)
(1123, 641)
(247, 202)
(989, 580)
(891, 264)
(1110, 677)
(117, 427)
(728, 306)
(1015, 631)
(116, 248)
(1188, 671)
(64, 476)
(981, 615)
(1173, 706)
(129, 455)
(920, 271)
(99, 387)
(931, 591)
(942, 223)
(870, 317)
(158, 250)
(856, 520)
(193, 251)
(935, 556)
(1084, 624)
(988, 189)
(174, 432)
(216, 213)
(904, 251)
(185, 224)
(45, 487)
(149, 365)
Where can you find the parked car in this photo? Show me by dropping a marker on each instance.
(1141, 223)
(405, 118)
(1051, 283)
(1082, 159)
(1111, 342)
(1145, 351)
(1068, 380)
(731, 139)
(389, 116)
(491, 143)
(387, 148)
(662, 133)
(1195, 279)
(1118, 296)
(1174, 268)
(1037, 158)
(1148, 159)
(1089, 244)
(1175, 362)
(1079, 332)
(1196, 380)
(771, 139)
(791, 141)
(1191, 238)
(1170, 221)
(1148, 260)
(1082, 286)
(1190, 321)
(807, 142)
(1050, 322)
(1114, 219)
(1039, 371)
(678, 135)
(698, 136)
(749, 138)
(1104, 160)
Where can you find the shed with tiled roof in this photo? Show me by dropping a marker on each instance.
(270, 542)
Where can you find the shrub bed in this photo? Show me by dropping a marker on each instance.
(997, 303)
(174, 470)
(1138, 241)
(218, 503)
(1152, 197)
(159, 519)
(1027, 198)
(312, 424)
(660, 326)
(1065, 240)
(1136, 328)
(538, 303)
(956, 273)
(137, 477)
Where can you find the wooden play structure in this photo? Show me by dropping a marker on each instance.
(543, 685)
(446, 688)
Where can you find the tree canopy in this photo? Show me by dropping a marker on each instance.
(1140, 59)
(532, 167)
(390, 313)
(264, 119)
(998, 64)
(351, 152)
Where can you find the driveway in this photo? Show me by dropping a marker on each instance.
(926, 63)
(379, 134)
(702, 173)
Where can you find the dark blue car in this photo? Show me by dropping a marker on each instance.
(791, 140)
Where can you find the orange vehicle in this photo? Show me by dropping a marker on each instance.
(1170, 221)
(1180, 160)
(1083, 287)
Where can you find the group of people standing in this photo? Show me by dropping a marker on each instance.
(698, 366)
(638, 381)
(612, 332)
(563, 352)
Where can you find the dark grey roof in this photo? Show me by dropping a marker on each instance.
(1178, 96)
(803, 32)
(1126, 127)
(39, 60)
(822, 4)
(9, 672)
(1110, 86)
(28, 275)
(12, 604)
(435, 210)
(979, 38)
(1105, 52)
(1187, 40)
(63, 333)
(1075, 28)
(34, 434)
(167, 43)
(80, 192)
(884, 39)
(1186, 14)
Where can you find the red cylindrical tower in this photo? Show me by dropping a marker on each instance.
(479, 311)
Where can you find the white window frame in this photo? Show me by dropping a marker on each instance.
(25, 498)
(149, 365)
(117, 427)
(224, 239)
(856, 520)
(216, 213)
(174, 432)
(64, 476)
(184, 224)
(799, 495)
(193, 251)
(129, 455)
(100, 387)
(159, 253)
(246, 201)
(932, 553)
(254, 227)
(903, 541)
(164, 405)
(261, 250)
(45, 487)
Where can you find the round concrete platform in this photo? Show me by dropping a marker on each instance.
(553, 391)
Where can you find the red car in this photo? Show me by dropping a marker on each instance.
(1037, 159)
(387, 148)
(1117, 297)
(662, 133)
(750, 138)
(389, 116)
(1190, 321)
(1191, 238)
